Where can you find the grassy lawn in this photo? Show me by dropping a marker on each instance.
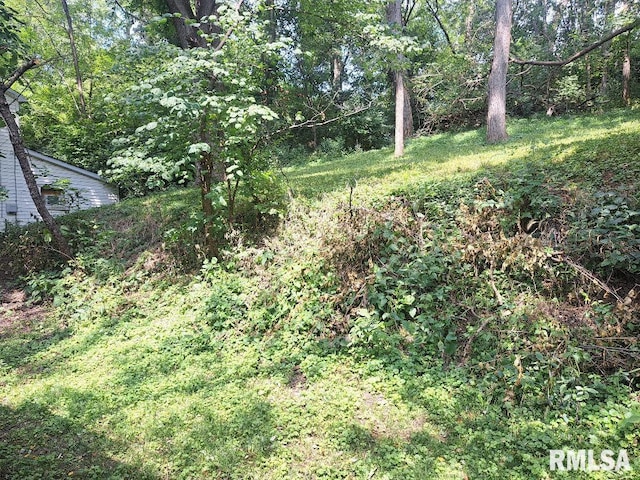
(246, 370)
(445, 156)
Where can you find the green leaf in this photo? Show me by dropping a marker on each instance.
(199, 148)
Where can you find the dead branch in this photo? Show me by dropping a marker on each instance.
(581, 53)
(589, 276)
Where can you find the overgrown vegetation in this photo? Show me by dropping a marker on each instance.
(454, 314)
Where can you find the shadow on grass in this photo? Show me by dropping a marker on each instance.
(36, 444)
(21, 344)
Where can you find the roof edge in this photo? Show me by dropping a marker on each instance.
(41, 156)
(15, 96)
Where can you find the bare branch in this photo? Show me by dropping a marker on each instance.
(435, 9)
(311, 123)
(581, 53)
(408, 12)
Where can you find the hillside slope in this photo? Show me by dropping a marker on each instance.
(457, 313)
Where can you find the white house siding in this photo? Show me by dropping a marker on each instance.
(91, 189)
(87, 189)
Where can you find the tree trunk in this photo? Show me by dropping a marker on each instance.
(337, 67)
(187, 35)
(403, 114)
(399, 114)
(30, 179)
(74, 56)
(609, 6)
(626, 76)
(589, 87)
(497, 96)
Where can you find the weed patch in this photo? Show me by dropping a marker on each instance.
(453, 314)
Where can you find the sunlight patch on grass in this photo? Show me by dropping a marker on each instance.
(445, 156)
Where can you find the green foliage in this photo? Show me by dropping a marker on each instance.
(608, 231)
(11, 47)
(406, 325)
(409, 299)
(42, 285)
(449, 92)
(27, 249)
(185, 242)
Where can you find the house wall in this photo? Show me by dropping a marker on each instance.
(86, 190)
(7, 176)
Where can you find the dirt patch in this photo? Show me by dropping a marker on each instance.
(383, 420)
(16, 314)
(297, 381)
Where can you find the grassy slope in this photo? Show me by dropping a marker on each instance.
(446, 156)
(138, 371)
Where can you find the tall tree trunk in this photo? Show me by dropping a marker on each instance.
(497, 96)
(29, 177)
(399, 114)
(76, 61)
(606, 51)
(626, 76)
(589, 87)
(337, 67)
(403, 114)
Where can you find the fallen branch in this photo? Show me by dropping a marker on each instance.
(311, 123)
(589, 276)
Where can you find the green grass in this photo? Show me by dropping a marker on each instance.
(446, 156)
(136, 370)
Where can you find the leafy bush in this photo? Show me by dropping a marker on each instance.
(27, 249)
(607, 232)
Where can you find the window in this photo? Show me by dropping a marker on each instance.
(55, 199)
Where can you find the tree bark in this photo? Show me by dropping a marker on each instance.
(497, 96)
(29, 177)
(75, 58)
(337, 67)
(609, 6)
(403, 114)
(399, 114)
(626, 76)
(187, 35)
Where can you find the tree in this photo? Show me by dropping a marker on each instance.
(199, 119)
(403, 121)
(11, 49)
(74, 57)
(23, 159)
(626, 75)
(497, 96)
(56, 121)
